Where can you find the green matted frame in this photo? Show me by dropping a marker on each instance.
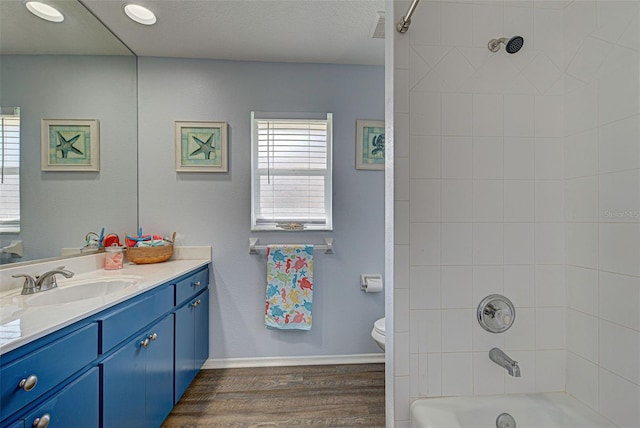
(201, 147)
(70, 145)
(370, 145)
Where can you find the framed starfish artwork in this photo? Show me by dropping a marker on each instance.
(70, 145)
(201, 147)
(370, 144)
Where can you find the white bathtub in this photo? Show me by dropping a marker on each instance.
(548, 410)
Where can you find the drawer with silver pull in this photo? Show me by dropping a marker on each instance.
(191, 285)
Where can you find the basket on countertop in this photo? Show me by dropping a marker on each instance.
(147, 255)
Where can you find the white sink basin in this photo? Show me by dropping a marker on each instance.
(73, 291)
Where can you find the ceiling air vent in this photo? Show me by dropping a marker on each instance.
(377, 32)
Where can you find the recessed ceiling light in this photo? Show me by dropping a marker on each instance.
(44, 11)
(140, 14)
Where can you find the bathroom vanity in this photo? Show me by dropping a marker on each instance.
(119, 359)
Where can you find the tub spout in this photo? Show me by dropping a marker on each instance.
(498, 356)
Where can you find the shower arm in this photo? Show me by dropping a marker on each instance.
(403, 25)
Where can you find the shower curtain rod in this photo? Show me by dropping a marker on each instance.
(405, 21)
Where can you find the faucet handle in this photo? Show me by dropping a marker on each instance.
(29, 286)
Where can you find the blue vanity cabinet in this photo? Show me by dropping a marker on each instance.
(77, 404)
(137, 379)
(192, 340)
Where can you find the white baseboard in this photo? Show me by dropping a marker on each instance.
(232, 363)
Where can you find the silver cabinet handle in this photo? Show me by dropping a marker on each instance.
(153, 337)
(197, 284)
(196, 303)
(29, 383)
(144, 343)
(42, 421)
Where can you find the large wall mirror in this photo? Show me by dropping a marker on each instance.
(71, 70)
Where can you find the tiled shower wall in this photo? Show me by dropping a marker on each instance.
(479, 191)
(602, 194)
(518, 174)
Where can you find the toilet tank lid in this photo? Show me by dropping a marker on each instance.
(379, 326)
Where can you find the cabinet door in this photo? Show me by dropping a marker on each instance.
(76, 405)
(184, 354)
(123, 385)
(201, 330)
(159, 372)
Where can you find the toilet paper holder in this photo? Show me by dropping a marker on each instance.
(366, 278)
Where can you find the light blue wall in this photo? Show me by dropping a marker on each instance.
(59, 208)
(214, 208)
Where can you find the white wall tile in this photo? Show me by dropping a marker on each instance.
(582, 109)
(426, 331)
(401, 179)
(457, 157)
(549, 286)
(401, 392)
(518, 243)
(620, 248)
(581, 154)
(456, 330)
(549, 114)
(487, 115)
(582, 244)
(401, 265)
(401, 222)
(425, 24)
(582, 335)
(519, 158)
(619, 145)
(457, 114)
(488, 377)
(424, 160)
(518, 200)
(456, 244)
(550, 371)
(424, 115)
(401, 91)
(582, 289)
(527, 380)
(549, 200)
(550, 328)
(434, 375)
(619, 400)
(521, 335)
(425, 200)
(457, 200)
(487, 243)
(457, 19)
(549, 243)
(425, 244)
(401, 361)
(620, 299)
(619, 196)
(401, 141)
(457, 374)
(488, 200)
(618, 94)
(581, 199)
(488, 158)
(400, 312)
(619, 350)
(425, 287)
(484, 341)
(549, 162)
(519, 285)
(582, 380)
(457, 286)
(518, 115)
(487, 280)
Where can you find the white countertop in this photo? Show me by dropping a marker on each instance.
(21, 323)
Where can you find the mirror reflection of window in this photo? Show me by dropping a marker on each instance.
(10, 170)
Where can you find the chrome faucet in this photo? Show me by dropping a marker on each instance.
(498, 356)
(43, 282)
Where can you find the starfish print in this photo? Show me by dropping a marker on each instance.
(205, 148)
(66, 146)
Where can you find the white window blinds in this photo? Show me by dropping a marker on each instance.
(291, 171)
(10, 172)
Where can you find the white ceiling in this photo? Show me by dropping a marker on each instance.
(316, 31)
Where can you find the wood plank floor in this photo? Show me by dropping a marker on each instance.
(304, 396)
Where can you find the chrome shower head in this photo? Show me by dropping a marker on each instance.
(512, 45)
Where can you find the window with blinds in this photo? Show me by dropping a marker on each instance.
(10, 171)
(291, 171)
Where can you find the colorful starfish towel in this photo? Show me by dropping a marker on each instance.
(289, 287)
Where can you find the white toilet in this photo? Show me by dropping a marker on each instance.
(378, 332)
